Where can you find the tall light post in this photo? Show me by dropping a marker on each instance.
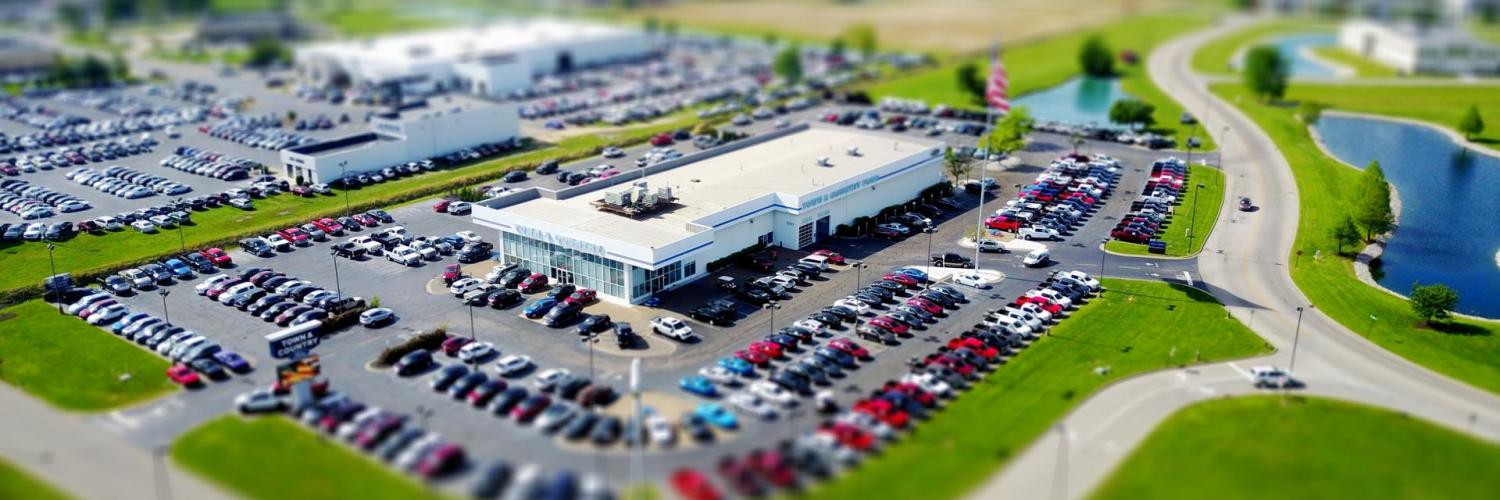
(1296, 336)
(53, 263)
(338, 286)
(929, 230)
(165, 316)
(859, 267)
(1102, 255)
(1193, 224)
(772, 306)
(344, 179)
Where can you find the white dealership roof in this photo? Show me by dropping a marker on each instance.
(503, 37)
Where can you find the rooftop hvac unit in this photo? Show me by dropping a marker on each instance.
(618, 198)
(823, 161)
(853, 151)
(664, 192)
(649, 200)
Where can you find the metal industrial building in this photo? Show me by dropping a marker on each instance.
(636, 234)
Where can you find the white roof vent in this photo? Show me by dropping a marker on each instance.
(853, 151)
(823, 161)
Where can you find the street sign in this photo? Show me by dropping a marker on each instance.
(289, 341)
(298, 370)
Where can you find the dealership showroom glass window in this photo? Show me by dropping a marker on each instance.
(565, 265)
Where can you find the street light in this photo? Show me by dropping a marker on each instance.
(929, 230)
(344, 179)
(337, 285)
(1102, 255)
(165, 316)
(1296, 336)
(772, 306)
(859, 267)
(53, 263)
(1193, 224)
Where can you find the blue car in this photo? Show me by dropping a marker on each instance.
(233, 361)
(539, 307)
(120, 325)
(717, 415)
(179, 269)
(699, 385)
(738, 366)
(915, 273)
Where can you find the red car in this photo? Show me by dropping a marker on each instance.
(1129, 236)
(329, 226)
(1045, 303)
(926, 305)
(849, 435)
(441, 206)
(1002, 223)
(452, 273)
(903, 279)
(884, 411)
(533, 283)
(976, 345)
(453, 344)
(365, 220)
(773, 467)
(889, 323)
(295, 235)
(441, 461)
(832, 256)
(183, 375)
(662, 140)
(581, 297)
(849, 347)
(753, 357)
(887, 233)
(693, 485)
(952, 362)
(769, 349)
(218, 256)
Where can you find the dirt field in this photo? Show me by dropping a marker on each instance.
(928, 25)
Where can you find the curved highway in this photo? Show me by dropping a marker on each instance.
(1245, 265)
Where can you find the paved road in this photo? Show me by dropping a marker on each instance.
(1245, 265)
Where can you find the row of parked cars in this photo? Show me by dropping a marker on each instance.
(272, 296)
(261, 132)
(67, 156)
(1112, 134)
(917, 221)
(36, 231)
(127, 183)
(195, 357)
(1061, 198)
(138, 114)
(166, 272)
(1152, 209)
(34, 201)
(210, 163)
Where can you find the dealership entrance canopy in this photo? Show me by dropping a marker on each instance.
(630, 235)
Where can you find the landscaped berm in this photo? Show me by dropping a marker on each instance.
(1134, 327)
(73, 365)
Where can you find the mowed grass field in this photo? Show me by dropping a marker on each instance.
(21, 485)
(1135, 327)
(1362, 66)
(1201, 220)
(1439, 104)
(376, 20)
(1260, 447)
(74, 365)
(1217, 56)
(27, 262)
(1463, 349)
(1044, 63)
(276, 458)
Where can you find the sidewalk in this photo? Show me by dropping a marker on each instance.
(87, 461)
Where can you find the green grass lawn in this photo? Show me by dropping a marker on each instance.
(1363, 67)
(1048, 62)
(1439, 104)
(1489, 32)
(27, 263)
(71, 364)
(1207, 199)
(1137, 326)
(19, 484)
(1464, 349)
(243, 455)
(370, 21)
(1303, 448)
(1215, 57)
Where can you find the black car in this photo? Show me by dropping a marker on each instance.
(941, 298)
(116, 285)
(199, 263)
(826, 318)
(515, 176)
(503, 298)
(907, 318)
(159, 273)
(513, 278)
(712, 315)
(951, 259)
(580, 425)
(793, 382)
(492, 481)
(561, 313)
(468, 383)
(209, 368)
(448, 376)
(381, 216)
(754, 296)
(607, 430)
(593, 323)
(884, 294)
(894, 287)
(547, 167)
(413, 362)
(348, 250)
(916, 311)
(257, 247)
(845, 314)
(869, 299)
(507, 400)
(562, 291)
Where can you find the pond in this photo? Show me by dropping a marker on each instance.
(1081, 100)
(1448, 228)
(1292, 48)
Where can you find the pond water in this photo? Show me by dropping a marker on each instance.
(1450, 213)
(1291, 47)
(1081, 100)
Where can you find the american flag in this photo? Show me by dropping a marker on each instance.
(997, 85)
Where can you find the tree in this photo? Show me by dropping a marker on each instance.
(836, 47)
(788, 64)
(1133, 112)
(117, 10)
(93, 72)
(119, 69)
(1095, 57)
(1310, 112)
(1010, 131)
(958, 164)
(1345, 233)
(651, 25)
(1373, 208)
(264, 52)
(669, 28)
(770, 38)
(1471, 124)
(970, 81)
(73, 16)
(1425, 14)
(862, 36)
(1433, 301)
(1265, 72)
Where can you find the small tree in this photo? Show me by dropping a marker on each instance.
(119, 69)
(1310, 112)
(1345, 233)
(1266, 72)
(770, 38)
(1133, 112)
(958, 164)
(970, 81)
(73, 16)
(1095, 57)
(265, 52)
(1010, 131)
(1373, 208)
(1433, 301)
(1471, 124)
(651, 25)
(93, 72)
(862, 37)
(788, 64)
(836, 48)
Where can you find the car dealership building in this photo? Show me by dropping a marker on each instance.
(638, 233)
(410, 133)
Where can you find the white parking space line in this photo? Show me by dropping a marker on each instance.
(1243, 372)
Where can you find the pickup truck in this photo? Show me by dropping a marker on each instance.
(951, 259)
(349, 250)
(367, 243)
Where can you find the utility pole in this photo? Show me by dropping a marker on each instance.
(165, 316)
(53, 263)
(344, 180)
(337, 284)
(929, 230)
(1194, 223)
(1296, 336)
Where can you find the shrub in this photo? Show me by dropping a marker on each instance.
(341, 320)
(422, 341)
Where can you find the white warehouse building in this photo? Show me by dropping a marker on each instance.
(789, 188)
(1411, 50)
(490, 60)
(411, 133)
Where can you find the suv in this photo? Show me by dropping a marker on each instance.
(713, 314)
(1271, 377)
(951, 259)
(671, 328)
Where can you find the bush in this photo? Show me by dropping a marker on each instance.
(345, 319)
(422, 341)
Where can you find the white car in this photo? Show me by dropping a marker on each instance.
(1082, 277)
(512, 364)
(1038, 233)
(404, 255)
(613, 152)
(773, 393)
(257, 401)
(971, 279)
(202, 288)
(930, 383)
(108, 314)
(854, 305)
(1272, 377)
(469, 236)
(1053, 295)
(376, 316)
(988, 245)
(549, 378)
(672, 328)
(144, 226)
(752, 404)
(1035, 310)
(812, 324)
(661, 431)
(719, 375)
(898, 228)
(278, 242)
(463, 286)
(475, 351)
(241, 203)
(460, 208)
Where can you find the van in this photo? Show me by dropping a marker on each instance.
(1037, 258)
(815, 260)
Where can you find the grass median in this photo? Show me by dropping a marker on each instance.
(1463, 349)
(1135, 327)
(1363, 67)
(19, 484)
(1216, 56)
(275, 458)
(1201, 219)
(28, 263)
(1440, 104)
(1303, 448)
(74, 365)
(1048, 62)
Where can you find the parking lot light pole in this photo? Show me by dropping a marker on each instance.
(53, 263)
(929, 230)
(859, 267)
(1296, 336)
(181, 239)
(772, 306)
(1102, 255)
(1193, 223)
(344, 178)
(165, 316)
(338, 286)
(471, 322)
